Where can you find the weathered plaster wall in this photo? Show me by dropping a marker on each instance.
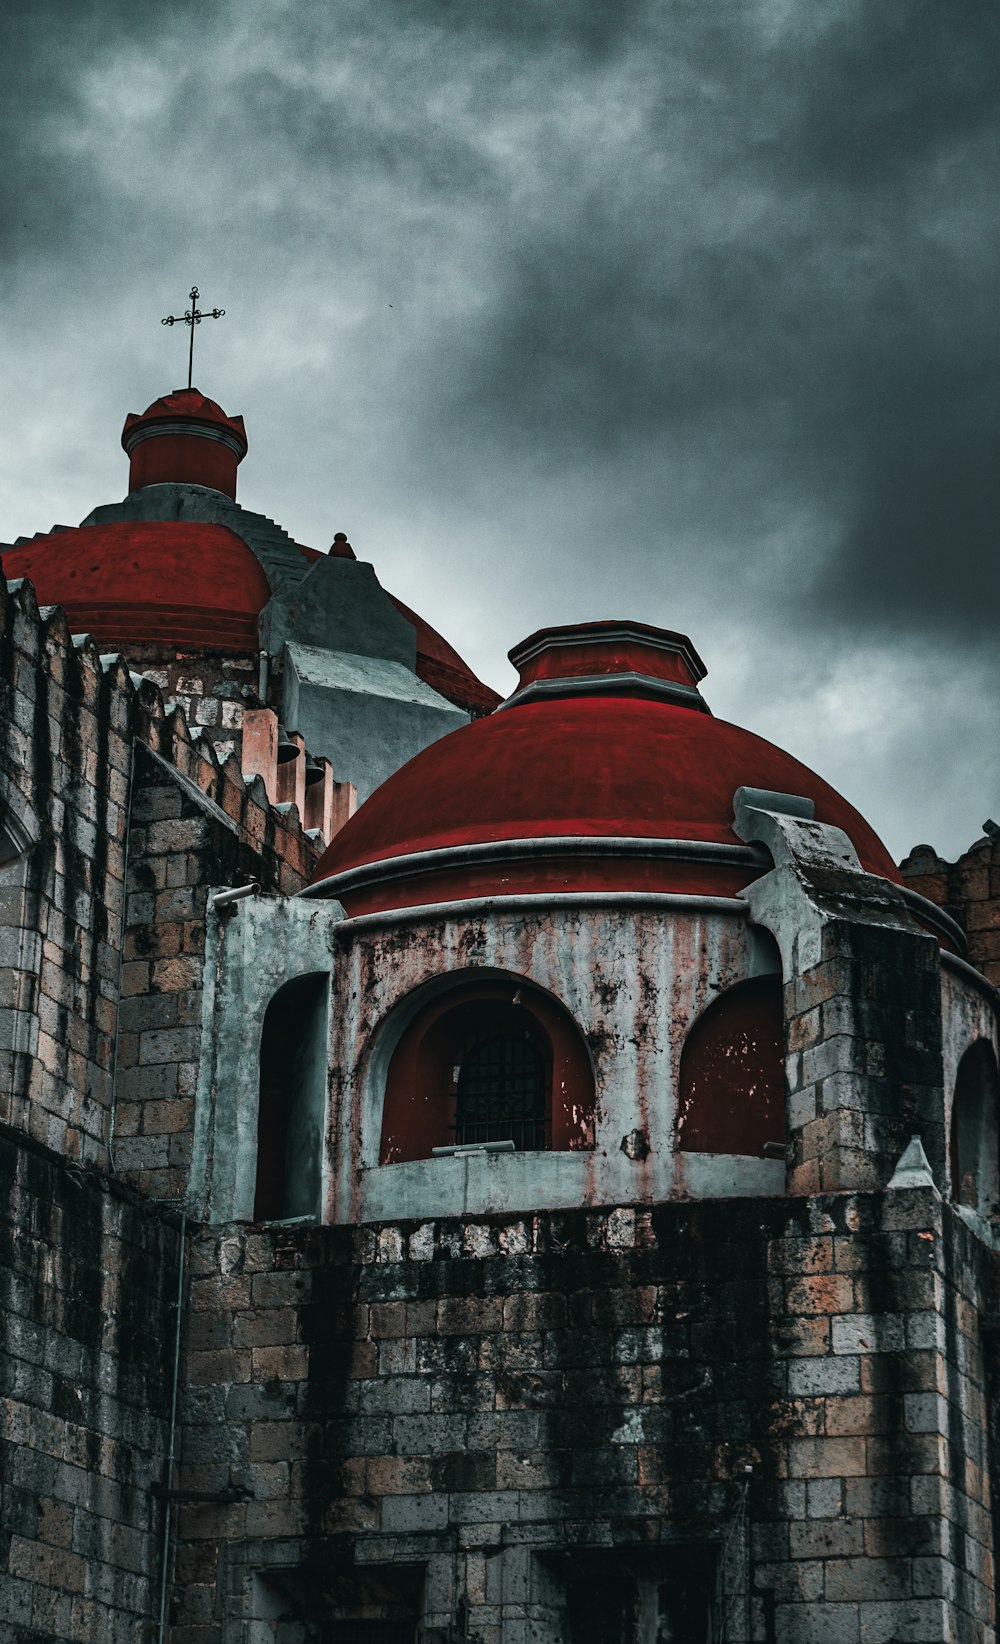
(372, 713)
(348, 660)
(464, 1395)
(632, 980)
(88, 1284)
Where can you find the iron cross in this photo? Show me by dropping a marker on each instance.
(192, 318)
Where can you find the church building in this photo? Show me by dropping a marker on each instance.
(516, 1172)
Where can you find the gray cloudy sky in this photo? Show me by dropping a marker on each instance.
(560, 308)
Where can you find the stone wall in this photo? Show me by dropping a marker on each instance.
(180, 844)
(969, 890)
(787, 1395)
(864, 1065)
(211, 691)
(92, 769)
(88, 1283)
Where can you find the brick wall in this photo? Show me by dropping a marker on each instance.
(969, 890)
(92, 768)
(88, 1285)
(864, 1064)
(464, 1396)
(211, 691)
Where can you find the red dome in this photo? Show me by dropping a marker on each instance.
(184, 402)
(440, 666)
(190, 586)
(163, 582)
(615, 764)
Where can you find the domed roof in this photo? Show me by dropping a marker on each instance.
(192, 580)
(613, 744)
(162, 582)
(184, 404)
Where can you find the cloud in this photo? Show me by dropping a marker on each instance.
(558, 308)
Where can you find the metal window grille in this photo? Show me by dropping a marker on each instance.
(501, 1093)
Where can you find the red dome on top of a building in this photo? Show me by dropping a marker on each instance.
(191, 583)
(176, 583)
(604, 770)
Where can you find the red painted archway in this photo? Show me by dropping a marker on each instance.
(422, 1086)
(732, 1085)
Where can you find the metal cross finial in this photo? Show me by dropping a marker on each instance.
(192, 318)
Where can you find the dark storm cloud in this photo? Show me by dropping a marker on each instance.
(53, 191)
(774, 248)
(715, 283)
(891, 85)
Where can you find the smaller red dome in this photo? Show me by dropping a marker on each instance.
(184, 438)
(627, 774)
(185, 402)
(160, 582)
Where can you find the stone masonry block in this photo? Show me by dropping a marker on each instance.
(926, 1413)
(827, 1457)
(872, 1579)
(918, 1621)
(810, 1377)
(819, 1623)
(827, 1538)
(869, 1333)
(824, 1293)
(801, 1255)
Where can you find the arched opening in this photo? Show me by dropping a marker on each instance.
(732, 1080)
(488, 1061)
(975, 1173)
(293, 1071)
(15, 844)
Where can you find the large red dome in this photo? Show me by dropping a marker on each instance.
(160, 582)
(601, 765)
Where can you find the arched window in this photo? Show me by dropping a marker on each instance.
(974, 1165)
(732, 1082)
(293, 1069)
(488, 1061)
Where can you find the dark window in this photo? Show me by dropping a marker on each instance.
(340, 1604)
(637, 1595)
(292, 1097)
(501, 1093)
(974, 1165)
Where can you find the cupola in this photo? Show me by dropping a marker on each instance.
(184, 438)
(609, 658)
(605, 770)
